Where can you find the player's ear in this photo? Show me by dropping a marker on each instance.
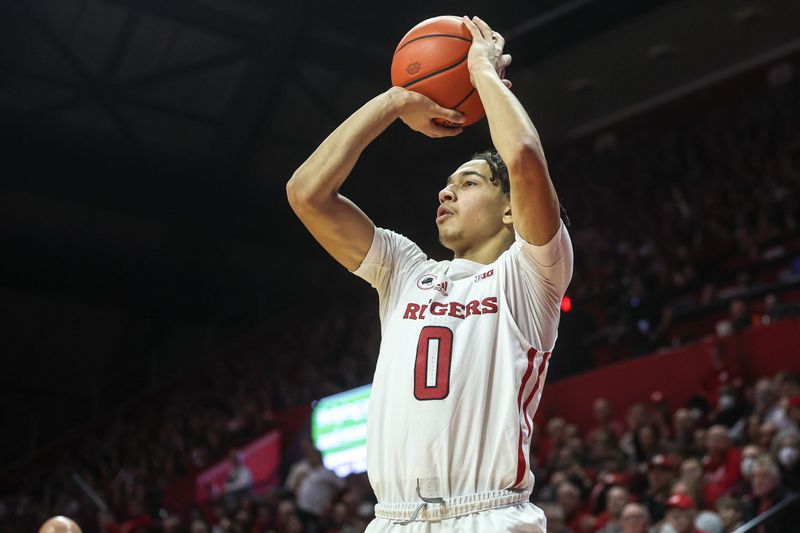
(507, 218)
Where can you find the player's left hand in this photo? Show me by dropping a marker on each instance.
(487, 45)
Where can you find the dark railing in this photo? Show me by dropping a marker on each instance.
(784, 508)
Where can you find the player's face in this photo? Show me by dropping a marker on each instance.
(472, 208)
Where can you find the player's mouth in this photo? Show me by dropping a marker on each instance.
(442, 213)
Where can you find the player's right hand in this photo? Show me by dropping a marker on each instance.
(418, 112)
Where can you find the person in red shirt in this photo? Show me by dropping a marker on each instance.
(681, 511)
(575, 517)
(609, 520)
(604, 420)
(722, 464)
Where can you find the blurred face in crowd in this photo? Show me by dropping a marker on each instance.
(634, 519)
(765, 479)
(636, 416)
(766, 433)
(788, 451)
(647, 437)
(691, 470)
(569, 498)
(682, 422)
(749, 454)
(680, 487)
(660, 478)
(616, 499)
(555, 428)
(764, 394)
(602, 411)
(717, 440)
(699, 441)
(729, 512)
(681, 520)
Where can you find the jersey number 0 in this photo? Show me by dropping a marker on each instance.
(432, 366)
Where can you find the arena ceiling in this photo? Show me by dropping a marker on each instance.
(147, 142)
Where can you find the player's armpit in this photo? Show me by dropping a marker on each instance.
(343, 230)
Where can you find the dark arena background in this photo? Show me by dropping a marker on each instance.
(168, 325)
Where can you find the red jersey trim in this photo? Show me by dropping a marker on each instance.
(521, 463)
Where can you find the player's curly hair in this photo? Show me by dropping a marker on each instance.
(500, 173)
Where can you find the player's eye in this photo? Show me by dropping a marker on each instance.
(469, 183)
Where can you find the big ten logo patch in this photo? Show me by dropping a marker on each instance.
(484, 275)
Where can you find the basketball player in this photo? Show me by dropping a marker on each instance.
(465, 343)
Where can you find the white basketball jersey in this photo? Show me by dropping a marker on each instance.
(462, 362)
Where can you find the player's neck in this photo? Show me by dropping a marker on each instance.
(487, 251)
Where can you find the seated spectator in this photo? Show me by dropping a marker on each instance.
(683, 426)
(609, 520)
(604, 420)
(721, 464)
(634, 519)
(555, 518)
(680, 515)
(575, 517)
(767, 492)
(660, 476)
(786, 449)
(730, 511)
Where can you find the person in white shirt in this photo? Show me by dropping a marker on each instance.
(465, 343)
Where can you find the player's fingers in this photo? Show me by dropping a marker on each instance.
(473, 29)
(486, 31)
(505, 60)
(444, 131)
(499, 39)
(508, 83)
(450, 115)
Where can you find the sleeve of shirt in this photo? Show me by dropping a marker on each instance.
(537, 279)
(390, 260)
(548, 266)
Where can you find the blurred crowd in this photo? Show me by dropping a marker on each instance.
(709, 466)
(690, 215)
(130, 459)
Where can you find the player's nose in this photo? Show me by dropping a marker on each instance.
(446, 195)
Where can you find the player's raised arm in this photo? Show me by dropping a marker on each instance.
(313, 191)
(534, 203)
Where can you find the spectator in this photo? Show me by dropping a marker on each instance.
(767, 405)
(786, 449)
(721, 464)
(635, 519)
(683, 426)
(316, 491)
(555, 518)
(680, 515)
(576, 519)
(240, 479)
(660, 477)
(767, 492)
(609, 521)
(604, 420)
(730, 511)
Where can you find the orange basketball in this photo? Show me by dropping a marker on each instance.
(432, 60)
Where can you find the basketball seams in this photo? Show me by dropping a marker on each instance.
(435, 73)
(432, 35)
